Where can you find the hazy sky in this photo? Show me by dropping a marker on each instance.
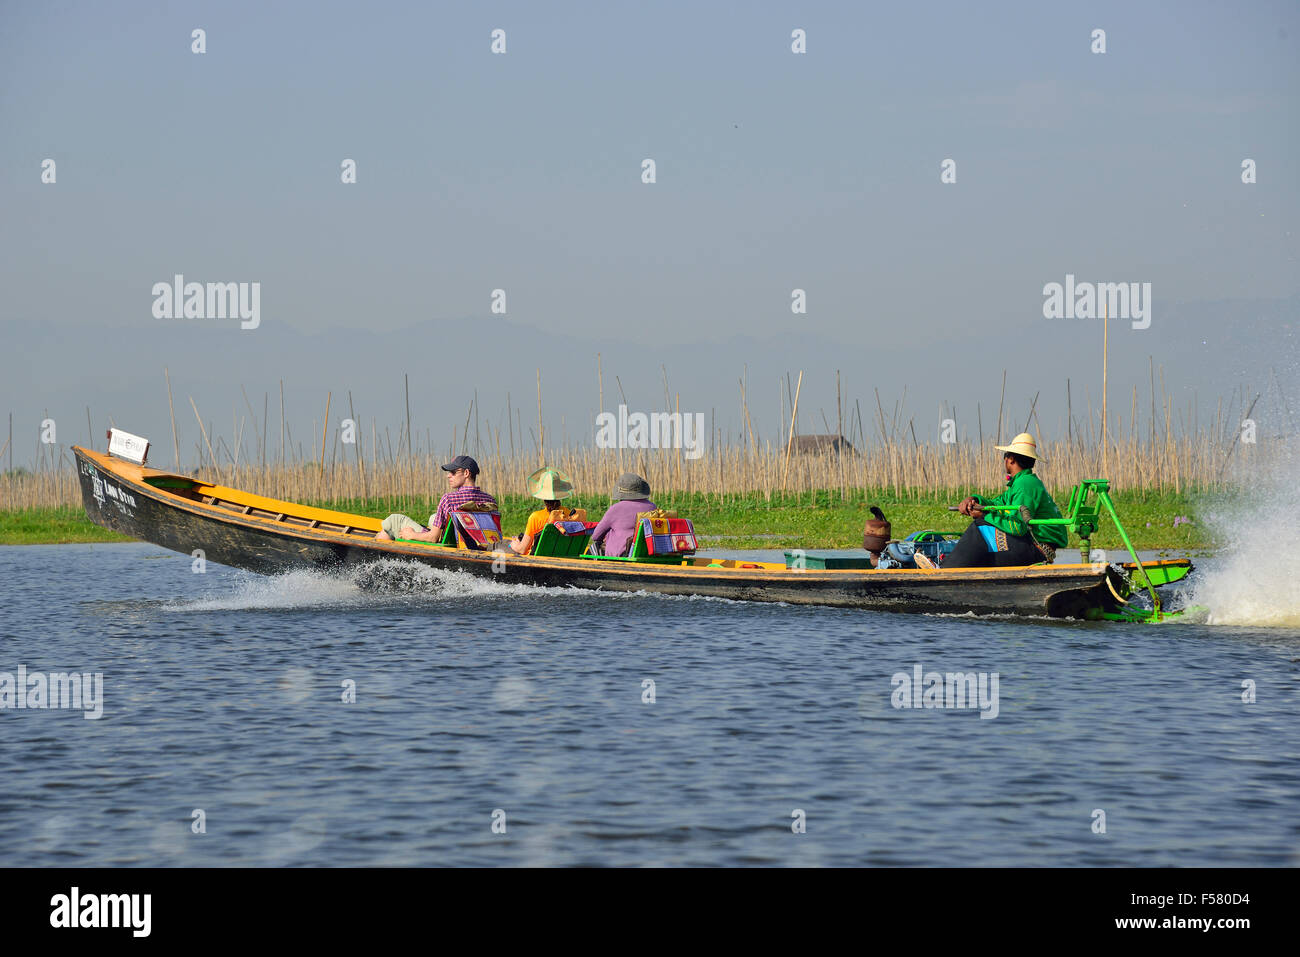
(522, 172)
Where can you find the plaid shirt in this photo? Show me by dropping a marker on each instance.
(458, 497)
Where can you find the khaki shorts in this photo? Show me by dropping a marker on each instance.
(393, 524)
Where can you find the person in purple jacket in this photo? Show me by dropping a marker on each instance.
(617, 529)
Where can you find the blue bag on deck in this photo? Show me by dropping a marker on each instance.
(900, 554)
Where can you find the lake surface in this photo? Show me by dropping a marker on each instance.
(476, 702)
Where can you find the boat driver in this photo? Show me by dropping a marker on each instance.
(1003, 538)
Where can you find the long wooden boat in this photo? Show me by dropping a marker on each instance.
(264, 535)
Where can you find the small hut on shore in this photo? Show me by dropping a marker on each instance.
(821, 445)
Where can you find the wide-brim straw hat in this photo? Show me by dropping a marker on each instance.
(1022, 444)
(630, 487)
(549, 484)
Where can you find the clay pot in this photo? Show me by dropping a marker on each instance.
(877, 532)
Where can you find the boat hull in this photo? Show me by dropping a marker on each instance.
(121, 496)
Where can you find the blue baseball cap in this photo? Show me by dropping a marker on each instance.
(461, 462)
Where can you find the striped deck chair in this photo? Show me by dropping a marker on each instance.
(668, 536)
(477, 530)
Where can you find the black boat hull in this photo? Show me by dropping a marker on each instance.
(117, 496)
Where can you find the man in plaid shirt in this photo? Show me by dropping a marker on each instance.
(462, 474)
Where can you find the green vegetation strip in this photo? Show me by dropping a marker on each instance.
(52, 526)
(740, 521)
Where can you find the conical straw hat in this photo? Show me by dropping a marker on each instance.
(549, 484)
(1022, 444)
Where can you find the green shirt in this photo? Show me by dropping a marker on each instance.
(1026, 488)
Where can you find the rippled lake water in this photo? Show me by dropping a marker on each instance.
(478, 702)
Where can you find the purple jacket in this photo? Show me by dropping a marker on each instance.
(619, 524)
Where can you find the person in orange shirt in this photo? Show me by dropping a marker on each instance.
(551, 486)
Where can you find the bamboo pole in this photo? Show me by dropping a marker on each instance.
(211, 457)
(239, 447)
(1237, 435)
(744, 404)
(1105, 354)
(677, 408)
(171, 410)
(406, 379)
(1001, 402)
(1069, 416)
(622, 395)
(794, 414)
(251, 414)
(356, 435)
(839, 426)
(324, 429)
